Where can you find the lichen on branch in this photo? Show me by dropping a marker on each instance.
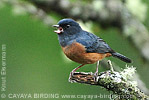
(119, 83)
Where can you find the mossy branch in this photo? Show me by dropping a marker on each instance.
(117, 82)
(124, 87)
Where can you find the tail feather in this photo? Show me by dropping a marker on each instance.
(121, 57)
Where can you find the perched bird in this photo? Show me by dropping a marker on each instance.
(83, 47)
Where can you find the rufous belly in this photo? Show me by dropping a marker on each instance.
(77, 53)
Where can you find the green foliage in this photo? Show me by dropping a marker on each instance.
(35, 60)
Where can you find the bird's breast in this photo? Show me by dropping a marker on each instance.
(77, 53)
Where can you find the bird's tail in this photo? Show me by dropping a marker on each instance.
(121, 57)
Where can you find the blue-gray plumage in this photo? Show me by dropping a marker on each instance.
(82, 46)
(93, 44)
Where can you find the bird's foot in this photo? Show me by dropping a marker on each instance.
(95, 76)
(111, 67)
(70, 76)
(72, 72)
(96, 73)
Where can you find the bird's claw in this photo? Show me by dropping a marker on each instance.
(95, 76)
(70, 76)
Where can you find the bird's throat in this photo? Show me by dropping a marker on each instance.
(65, 40)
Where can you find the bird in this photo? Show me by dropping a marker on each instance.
(83, 47)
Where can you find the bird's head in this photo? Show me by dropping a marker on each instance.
(67, 26)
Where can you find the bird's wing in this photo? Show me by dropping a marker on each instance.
(94, 44)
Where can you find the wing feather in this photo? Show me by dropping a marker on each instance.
(94, 44)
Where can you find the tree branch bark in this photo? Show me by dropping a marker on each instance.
(112, 81)
(37, 12)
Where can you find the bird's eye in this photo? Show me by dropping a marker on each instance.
(68, 26)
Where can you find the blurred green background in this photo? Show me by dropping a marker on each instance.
(36, 63)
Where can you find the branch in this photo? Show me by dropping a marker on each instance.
(117, 82)
(48, 20)
(136, 77)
